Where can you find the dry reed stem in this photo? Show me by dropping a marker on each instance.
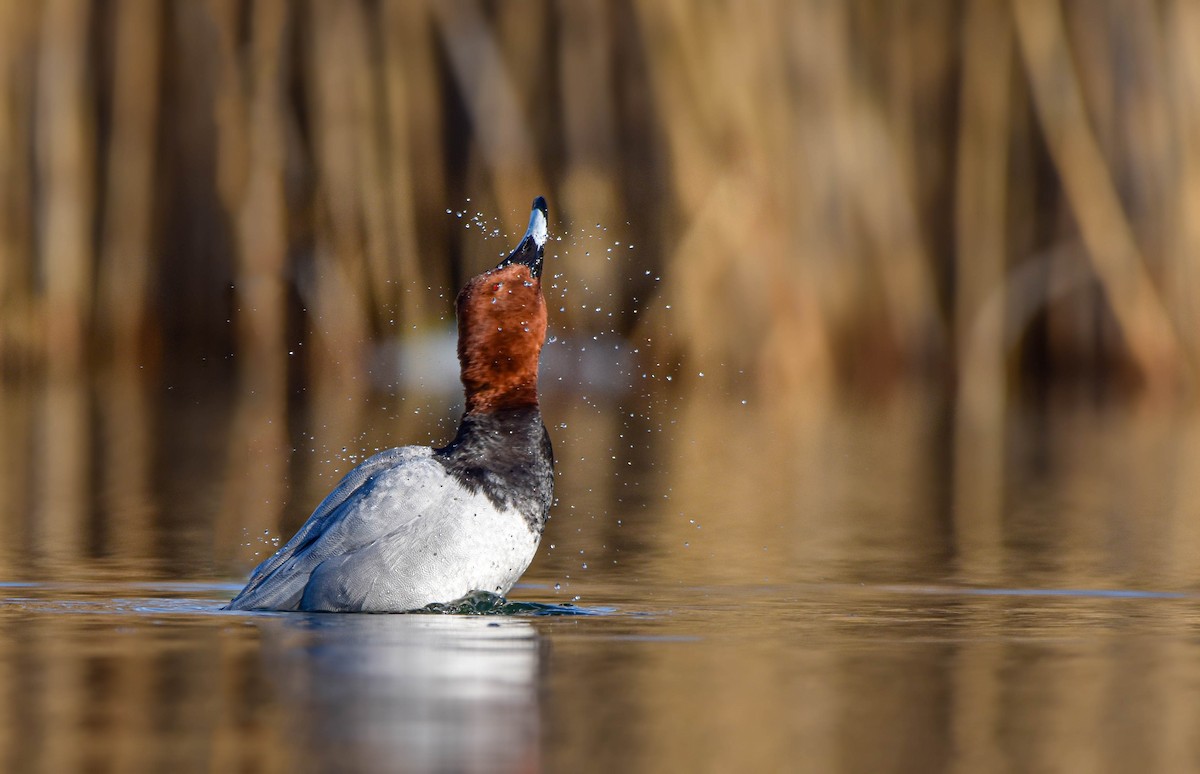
(1182, 233)
(1118, 262)
(64, 170)
(410, 306)
(19, 330)
(980, 220)
(258, 207)
(500, 127)
(230, 106)
(882, 239)
(412, 37)
(588, 188)
(350, 156)
(731, 130)
(126, 259)
(729, 251)
(338, 301)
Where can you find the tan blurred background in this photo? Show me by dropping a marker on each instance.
(228, 229)
(833, 193)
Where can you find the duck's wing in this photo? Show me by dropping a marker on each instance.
(279, 581)
(434, 558)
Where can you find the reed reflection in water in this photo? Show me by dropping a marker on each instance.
(773, 584)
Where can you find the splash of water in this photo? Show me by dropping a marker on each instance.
(485, 603)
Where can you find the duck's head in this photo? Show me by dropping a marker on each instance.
(502, 325)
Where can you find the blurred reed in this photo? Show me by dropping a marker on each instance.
(833, 193)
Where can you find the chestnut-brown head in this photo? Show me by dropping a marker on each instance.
(502, 325)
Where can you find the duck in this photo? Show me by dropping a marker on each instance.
(416, 526)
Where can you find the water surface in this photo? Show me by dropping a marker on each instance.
(736, 586)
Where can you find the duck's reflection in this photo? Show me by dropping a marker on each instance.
(408, 692)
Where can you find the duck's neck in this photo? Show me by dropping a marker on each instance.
(517, 394)
(506, 454)
(516, 426)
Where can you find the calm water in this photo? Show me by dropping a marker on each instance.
(739, 586)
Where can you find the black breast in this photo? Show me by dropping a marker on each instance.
(506, 455)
